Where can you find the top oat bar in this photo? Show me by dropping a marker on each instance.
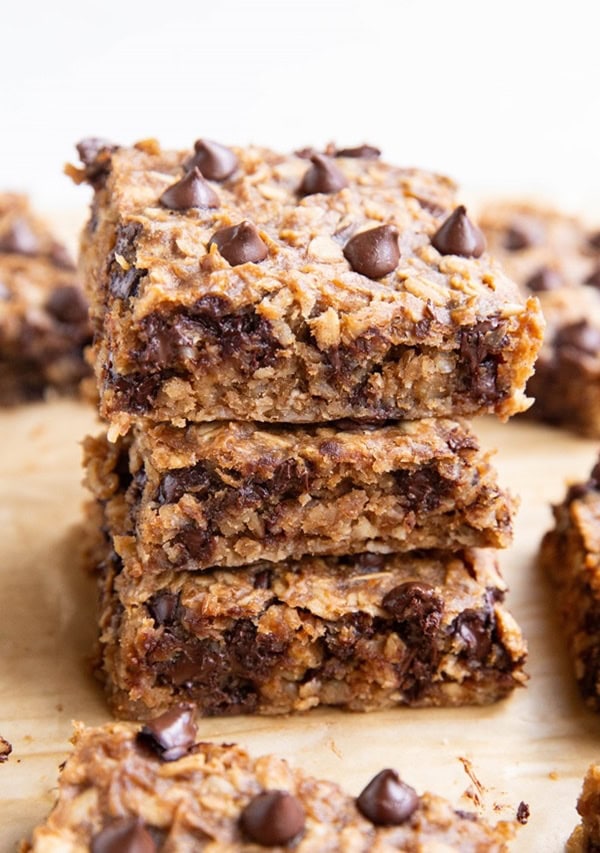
(305, 313)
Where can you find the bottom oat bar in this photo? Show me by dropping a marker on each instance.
(44, 324)
(157, 790)
(570, 555)
(585, 838)
(363, 633)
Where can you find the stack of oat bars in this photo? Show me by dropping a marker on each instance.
(289, 513)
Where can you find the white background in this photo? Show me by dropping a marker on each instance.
(504, 96)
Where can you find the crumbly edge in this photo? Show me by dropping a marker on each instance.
(237, 493)
(197, 799)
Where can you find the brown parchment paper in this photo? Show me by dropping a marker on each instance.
(534, 747)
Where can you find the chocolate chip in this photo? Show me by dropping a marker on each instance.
(366, 152)
(273, 818)
(240, 244)
(387, 800)
(523, 812)
(172, 734)
(423, 488)
(59, 256)
(163, 608)
(594, 279)
(123, 835)
(519, 237)
(191, 191)
(457, 235)
(417, 608)
(216, 162)
(322, 177)
(67, 304)
(544, 279)
(374, 253)
(474, 628)
(580, 335)
(19, 239)
(95, 154)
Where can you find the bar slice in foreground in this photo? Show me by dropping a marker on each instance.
(157, 789)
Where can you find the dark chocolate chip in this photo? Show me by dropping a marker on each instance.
(273, 818)
(172, 734)
(19, 239)
(89, 149)
(594, 278)
(519, 237)
(417, 607)
(523, 812)
(544, 279)
(473, 628)
(322, 177)
(216, 162)
(423, 488)
(163, 607)
(366, 152)
(240, 244)
(123, 835)
(374, 253)
(457, 235)
(67, 304)
(580, 335)
(387, 800)
(263, 579)
(59, 256)
(191, 191)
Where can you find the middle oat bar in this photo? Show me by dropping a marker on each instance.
(231, 494)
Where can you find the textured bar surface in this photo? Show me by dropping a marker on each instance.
(231, 494)
(570, 554)
(585, 838)
(298, 336)
(196, 803)
(363, 632)
(44, 324)
(557, 257)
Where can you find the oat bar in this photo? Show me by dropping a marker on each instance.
(364, 632)
(228, 494)
(44, 323)
(570, 555)
(556, 257)
(122, 789)
(585, 838)
(244, 284)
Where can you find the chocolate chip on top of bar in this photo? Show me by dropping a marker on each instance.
(237, 283)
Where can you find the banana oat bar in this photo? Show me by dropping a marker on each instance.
(570, 554)
(556, 257)
(156, 789)
(585, 838)
(227, 494)
(364, 632)
(44, 323)
(244, 284)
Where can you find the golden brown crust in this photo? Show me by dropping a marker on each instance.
(195, 803)
(298, 336)
(585, 838)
